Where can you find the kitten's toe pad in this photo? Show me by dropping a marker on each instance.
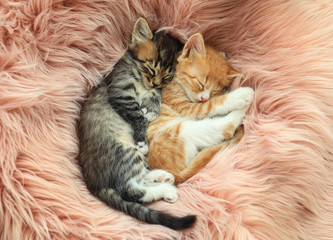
(159, 175)
(142, 147)
(171, 195)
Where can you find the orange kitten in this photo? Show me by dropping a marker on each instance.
(195, 118)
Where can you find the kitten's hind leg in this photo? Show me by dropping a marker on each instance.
(157, 176)
(207, 154)
(152, 193)
(200, 134)
(164, 191)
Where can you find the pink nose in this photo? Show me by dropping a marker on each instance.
(204, 99)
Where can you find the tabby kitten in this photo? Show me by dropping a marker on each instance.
(112, 130)
(195, 115)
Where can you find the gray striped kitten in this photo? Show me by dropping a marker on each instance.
(112, 130)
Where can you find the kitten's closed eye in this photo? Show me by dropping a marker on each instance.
(202, 86)
(167, 78)
(198, 81)
(151, 71)
(215, 93)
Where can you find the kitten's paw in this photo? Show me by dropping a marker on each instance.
(144, 111)
(242, 97)
(235, 119)
(229, 131)
(150, 116)
(142, 147)
(171, 194)
(159, 175)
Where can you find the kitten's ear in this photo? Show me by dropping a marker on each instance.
(195, 45)
(141, 31)
(232, 74)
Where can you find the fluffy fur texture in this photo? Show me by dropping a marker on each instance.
(196, 99)
(276, 184)
(113, 125)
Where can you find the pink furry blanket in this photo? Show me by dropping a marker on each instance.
(276, 184)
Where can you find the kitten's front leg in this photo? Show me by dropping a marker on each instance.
(239, 99)
(126, 104)
(151, 104)
(140, 126)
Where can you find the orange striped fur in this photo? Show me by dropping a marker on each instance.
(199, 68)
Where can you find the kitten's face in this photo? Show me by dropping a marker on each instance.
(202, 71)
(156, 54)
(155, 74)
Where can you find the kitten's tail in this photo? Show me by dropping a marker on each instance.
(143, 213)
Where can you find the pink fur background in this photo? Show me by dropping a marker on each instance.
(276, 184)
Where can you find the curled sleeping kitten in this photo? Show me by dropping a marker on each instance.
(112, 130)
(197, 120)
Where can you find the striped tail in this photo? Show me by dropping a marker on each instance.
(143, 213)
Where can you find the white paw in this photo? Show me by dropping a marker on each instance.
(171, 194)
(242, 98)
(142, 147)
(151, 116)
(144, 111)
(158, 176)
(236, 117)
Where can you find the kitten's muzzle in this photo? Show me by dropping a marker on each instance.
(157, 85)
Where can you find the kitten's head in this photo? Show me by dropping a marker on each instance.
(202, 71)
(156, 54)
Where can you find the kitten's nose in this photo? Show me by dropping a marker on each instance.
(204, 99)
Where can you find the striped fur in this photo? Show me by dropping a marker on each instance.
(113, 124)
(195, 115)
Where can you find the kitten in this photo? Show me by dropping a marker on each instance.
(112, 130)
(194, 115)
